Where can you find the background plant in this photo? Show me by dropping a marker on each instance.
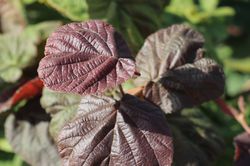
(223, 23)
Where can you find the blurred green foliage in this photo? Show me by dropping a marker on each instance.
(25, 25)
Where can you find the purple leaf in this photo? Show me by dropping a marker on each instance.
(167, 49)
(107, 132)
(175, 72)
(195, 83)
(85, 58)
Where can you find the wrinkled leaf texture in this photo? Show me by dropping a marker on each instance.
(174, 70)
(107, 132)
(85, 58)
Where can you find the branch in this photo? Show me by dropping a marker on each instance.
(236, 114)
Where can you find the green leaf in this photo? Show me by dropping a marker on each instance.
(235, 82)
(17, 52)
(28, 1)
(4, 145)
(223, 12)
(242, 65)
(61, 106)
(209, 5)
(27, 133)
(76, 10)
(11, 159)
(199, 13)
(41, 31)
(11, 74)
(224, 52)
(135, 19)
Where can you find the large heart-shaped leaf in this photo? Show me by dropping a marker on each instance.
(108, 132)
(61, 106)
(174, 70)
(85, 58)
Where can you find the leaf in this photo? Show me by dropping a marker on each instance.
(27, 132)
(62, 108)
(85, 58)
(195, 138)
(4, 145)
(202, 81)
(75, 10)
(175, 72)
(169, 100)
(210, 5)
(242, 146)
(106, 132)
(17, 53)
(28, 90)
(11, 16)
(167, 49)
(135, 19)
(235, 83)
(241, 65)
(41, 31)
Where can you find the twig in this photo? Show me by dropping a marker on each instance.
(238, 115)
(121, 90)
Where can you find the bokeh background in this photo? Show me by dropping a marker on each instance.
(225, 24)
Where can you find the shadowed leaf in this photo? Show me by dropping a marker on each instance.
(61, 107)
(106, 132)
(175, 72)
(27, 133)
(196, 141)
(75, 10)
(135, 19)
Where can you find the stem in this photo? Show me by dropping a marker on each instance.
(121, 90)
(238, 115)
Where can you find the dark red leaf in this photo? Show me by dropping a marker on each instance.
(85, 58)
(242, 149)
(107, 132)
(167, 49)
(200, 81)
(174, 70)
(28, 90)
